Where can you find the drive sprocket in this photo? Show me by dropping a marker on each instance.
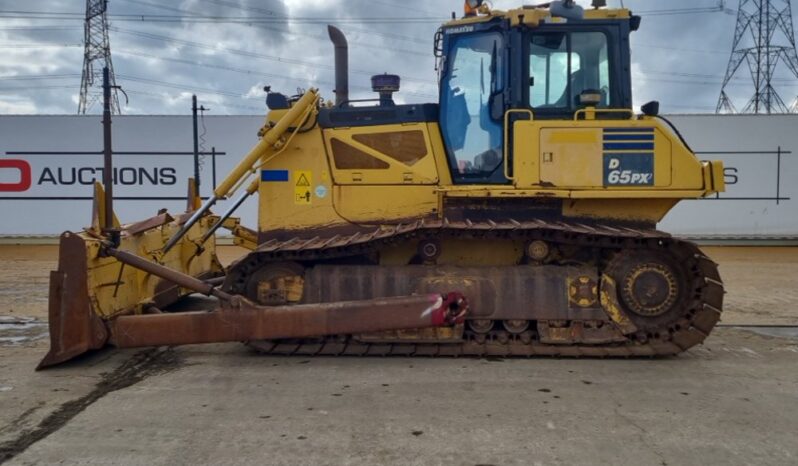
(652, 286)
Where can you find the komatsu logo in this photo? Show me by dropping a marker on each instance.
(460, 30)
(628, 169)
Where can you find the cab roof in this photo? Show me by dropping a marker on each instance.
(532, 16)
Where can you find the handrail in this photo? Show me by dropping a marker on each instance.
(507, 138)
(585, 111)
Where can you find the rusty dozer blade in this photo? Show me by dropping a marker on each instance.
(74, 327)
(90, 273)
(89, 288)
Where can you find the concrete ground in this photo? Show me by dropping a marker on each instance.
(732, 401)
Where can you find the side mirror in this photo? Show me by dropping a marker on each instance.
(650, 109)
(634, 23)
(496, 106)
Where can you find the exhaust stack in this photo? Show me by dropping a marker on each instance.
(341, 65)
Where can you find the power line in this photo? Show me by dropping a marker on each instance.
(240, 7)
(681, 11)
(30, 77)
(675, 49)
(260, 110)
(160, 96)
(17, 14)
(38, 46)
(307, 35)
(304, 34)
(696, 83)
(720, 7)
(184, 87)
(349, 29)
(248, 54)
(29, 88)
(249, 72)
(48, 28)
(704, 76)
(402, 6)
(160, 7)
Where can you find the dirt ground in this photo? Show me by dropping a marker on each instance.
(732, 401)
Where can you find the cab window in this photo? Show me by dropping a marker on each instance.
(563, 66)
(473, 78)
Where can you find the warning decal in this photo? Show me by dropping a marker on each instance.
(302, 183)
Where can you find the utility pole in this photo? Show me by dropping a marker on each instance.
(108, 162)
(96, 57)
(194, 112)
(770, 26)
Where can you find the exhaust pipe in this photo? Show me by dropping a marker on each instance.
(341, 65)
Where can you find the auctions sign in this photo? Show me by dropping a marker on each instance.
(48, 165)
(24, 178)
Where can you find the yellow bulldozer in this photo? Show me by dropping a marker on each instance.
(515, 217)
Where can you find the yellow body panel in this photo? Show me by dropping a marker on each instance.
(377, 204)
(631, 210)
(279, 209)
(567, 157)
(551, 160)
(420, 169)
(571, 155)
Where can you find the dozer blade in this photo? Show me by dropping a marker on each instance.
(90, 288)
(74, 327)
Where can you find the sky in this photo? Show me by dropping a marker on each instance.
(678, 59)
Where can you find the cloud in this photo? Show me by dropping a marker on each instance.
(678, 60)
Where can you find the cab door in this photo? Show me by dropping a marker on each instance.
(473, 91)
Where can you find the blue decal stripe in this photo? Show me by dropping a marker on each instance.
(628, 137)
(628, 130)
(628, 154)
(274, 176)
(628, 146)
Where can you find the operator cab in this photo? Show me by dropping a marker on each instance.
(526, 59)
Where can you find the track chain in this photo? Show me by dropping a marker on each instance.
(698, 319)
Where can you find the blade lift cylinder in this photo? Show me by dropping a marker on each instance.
(266, 144)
